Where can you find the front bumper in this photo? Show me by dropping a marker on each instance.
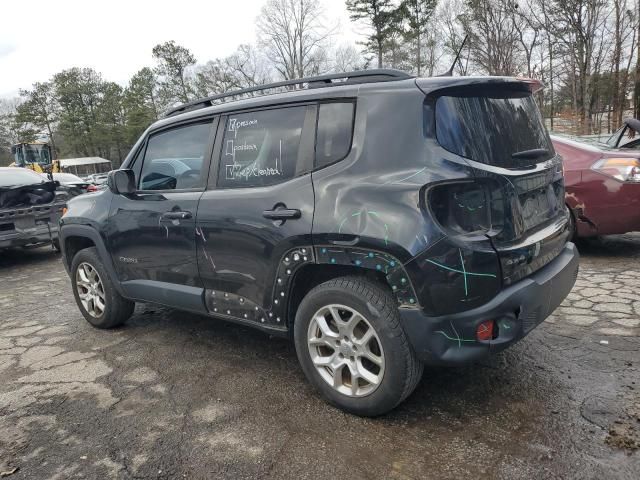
(516, 310)
(38, 234)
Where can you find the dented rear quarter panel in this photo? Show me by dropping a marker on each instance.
(374, 199)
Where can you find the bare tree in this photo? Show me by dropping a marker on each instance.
(579, 28)
(538, 16)
(248, 67)
(493, 36)
(624, 30)
(528, 33)
(636, 86)
(293, 34)
(9, 130)
(432, 48)
(347, 58)
(451, 13)
(244, 68)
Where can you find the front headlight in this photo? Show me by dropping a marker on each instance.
(623, 169)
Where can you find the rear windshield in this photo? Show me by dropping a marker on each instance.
(491, 128)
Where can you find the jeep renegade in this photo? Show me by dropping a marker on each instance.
(381, 221)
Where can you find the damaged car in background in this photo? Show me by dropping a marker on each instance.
(602, 181)
(72, 183)
(30, 207)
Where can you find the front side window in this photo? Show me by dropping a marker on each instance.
(261, 148)
(335, 128)
(174, 159)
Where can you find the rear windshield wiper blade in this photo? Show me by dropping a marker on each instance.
(528, 154)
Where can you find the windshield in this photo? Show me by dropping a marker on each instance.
(491, 128)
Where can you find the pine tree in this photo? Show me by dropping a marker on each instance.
(380, 15)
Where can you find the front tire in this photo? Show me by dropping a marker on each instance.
(97, 298)
(352, 348)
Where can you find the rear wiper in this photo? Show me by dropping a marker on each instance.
(527, 154)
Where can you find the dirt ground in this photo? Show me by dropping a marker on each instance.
(175, 395)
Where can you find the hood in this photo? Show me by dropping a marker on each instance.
(593, 145)
(27, 195)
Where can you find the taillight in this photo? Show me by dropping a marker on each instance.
(462, 207)
(623, 169)
(92, 188)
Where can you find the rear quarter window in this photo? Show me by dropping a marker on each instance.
(334, 132)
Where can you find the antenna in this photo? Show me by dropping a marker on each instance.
(449, 73)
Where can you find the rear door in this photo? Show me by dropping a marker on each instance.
(151, 233)
(254, 221)
(500, 132)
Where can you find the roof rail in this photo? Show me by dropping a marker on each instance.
(358, 76)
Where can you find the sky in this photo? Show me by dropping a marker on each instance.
(39, 38)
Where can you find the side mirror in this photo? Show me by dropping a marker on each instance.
(122, 182)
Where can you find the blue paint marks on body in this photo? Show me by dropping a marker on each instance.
(463, 271)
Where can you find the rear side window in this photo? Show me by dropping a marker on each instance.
(492, 128)
(261, 148)
(335, 129)
(174, 159)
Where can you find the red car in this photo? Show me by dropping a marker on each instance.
(602, 181)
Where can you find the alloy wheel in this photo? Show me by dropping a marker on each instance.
(346, 350)
(90, 289)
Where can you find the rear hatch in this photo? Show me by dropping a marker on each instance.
(497, 130)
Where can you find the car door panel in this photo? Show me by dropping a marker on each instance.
(239, 249)
(244, 232)
(151, 233)
(147, 245)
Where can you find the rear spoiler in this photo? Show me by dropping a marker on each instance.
(432, 85)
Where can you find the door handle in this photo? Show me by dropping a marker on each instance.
(176, 216)
(282, 213)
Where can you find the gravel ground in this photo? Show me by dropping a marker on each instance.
(175, 395)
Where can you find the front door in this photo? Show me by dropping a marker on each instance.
(254, 222)
(151, 233)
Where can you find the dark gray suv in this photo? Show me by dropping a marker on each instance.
(382, 221)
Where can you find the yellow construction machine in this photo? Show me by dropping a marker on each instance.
(35, 156)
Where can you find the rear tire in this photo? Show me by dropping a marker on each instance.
(96, 296)
(352, 348)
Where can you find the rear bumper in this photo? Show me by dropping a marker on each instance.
(516, 310)
(39, 234)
